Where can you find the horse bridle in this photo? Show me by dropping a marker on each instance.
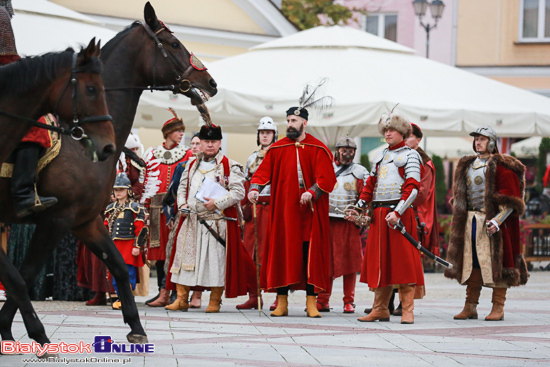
(76, 131)
(175, 62)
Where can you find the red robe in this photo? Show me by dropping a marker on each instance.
(291, 223)
(262, 220)
(389, 257)
(166, 171)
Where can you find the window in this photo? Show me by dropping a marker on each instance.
(383, 25)
(534, 21)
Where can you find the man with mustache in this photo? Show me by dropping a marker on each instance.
(485, 247)
(297, 250)
(345, 237)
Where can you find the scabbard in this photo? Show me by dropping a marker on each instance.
(401, 228)
(212, 232)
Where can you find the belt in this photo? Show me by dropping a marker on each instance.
(384, 205)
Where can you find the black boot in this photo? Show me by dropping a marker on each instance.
(25, 200)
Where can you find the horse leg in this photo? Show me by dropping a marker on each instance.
(94, 235)
(18, 296)
(47, 235)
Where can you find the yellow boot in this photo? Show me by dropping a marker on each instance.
(380, 309)
(311, 307)
(182, 302)
(282, 306)
(215, 300)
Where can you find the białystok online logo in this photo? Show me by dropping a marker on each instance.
(101, 344)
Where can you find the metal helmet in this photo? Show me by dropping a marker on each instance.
(345, 142)
(122, 181)
(488, 132)
(266, 123)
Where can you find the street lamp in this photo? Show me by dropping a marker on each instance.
(436, 8)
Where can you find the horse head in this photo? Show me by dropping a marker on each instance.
(181, 67)
(80, 98)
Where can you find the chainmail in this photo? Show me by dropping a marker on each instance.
(7, 40)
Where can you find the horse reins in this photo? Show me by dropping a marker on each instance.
(177, 65)
(76, 131)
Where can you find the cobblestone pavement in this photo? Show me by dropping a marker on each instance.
(234, 338)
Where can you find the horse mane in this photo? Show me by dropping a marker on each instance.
(26, 73)
(110, 46)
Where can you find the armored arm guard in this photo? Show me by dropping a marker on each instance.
(256, 187)
(503, 214)
(316, 191)
(412, 168)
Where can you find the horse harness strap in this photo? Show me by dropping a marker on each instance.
(76, 131)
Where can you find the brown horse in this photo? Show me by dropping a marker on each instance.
(132, 61)
(35, 86)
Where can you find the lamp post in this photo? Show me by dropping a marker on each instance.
(436, 8)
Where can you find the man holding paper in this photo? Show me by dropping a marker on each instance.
(297, 250)
(209, 250)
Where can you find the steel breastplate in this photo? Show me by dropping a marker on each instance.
(389, 185)
(252, 165)
(344, 194)
(475, 181)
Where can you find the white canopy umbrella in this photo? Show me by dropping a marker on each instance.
(528, 148)
(41, 26)
(445, 147)
(368, 76)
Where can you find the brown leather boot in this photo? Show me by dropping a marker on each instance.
(282, 306)
(406, 292)
(497, 312)
(215, 300)
(182, 302)
(163, 300)
(380, 309)
(196, 299)
(311, 307)
(473, 290)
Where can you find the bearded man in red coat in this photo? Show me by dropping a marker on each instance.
(297, 250)
(484, 246)
(391, 188)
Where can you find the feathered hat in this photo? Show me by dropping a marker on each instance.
(394, 121)
(174, 124)
(313, 97)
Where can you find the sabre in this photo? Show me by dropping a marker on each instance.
(361, 220)
(190, 211)
(401, 229)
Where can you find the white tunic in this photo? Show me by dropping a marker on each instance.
(194, 240)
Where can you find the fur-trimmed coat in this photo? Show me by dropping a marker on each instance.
(504, 185)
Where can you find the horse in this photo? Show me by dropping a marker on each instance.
(63, 83)
(132, 61)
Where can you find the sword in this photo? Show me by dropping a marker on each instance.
(190, 211)
(401, 229)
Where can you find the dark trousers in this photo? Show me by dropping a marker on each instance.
(475, 260)
(310, 289)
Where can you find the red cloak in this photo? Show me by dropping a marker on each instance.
(292, 223)
(427, 208)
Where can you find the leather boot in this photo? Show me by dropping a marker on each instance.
(25, 200)
(182, 301)
(98, 300)
(311, 307)
(163, 300)
(349, 292)
(322, 302)
(196, 299)
(473, 290)
(152, 299)
(215, 300)
(390, 304)
(380, 310)
(274, 305)
(282, 306)
(407, 303)
(497, 312)
(252, 302)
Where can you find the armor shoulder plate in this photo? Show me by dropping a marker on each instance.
(413, 168)
(138, 209)
(359, 172)
(110, 207)
(377, 160)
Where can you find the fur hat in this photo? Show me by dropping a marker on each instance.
(174, 124)
(395, 121)
(212, 132)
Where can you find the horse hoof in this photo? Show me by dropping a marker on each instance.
(137, 339)
(48, 355)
